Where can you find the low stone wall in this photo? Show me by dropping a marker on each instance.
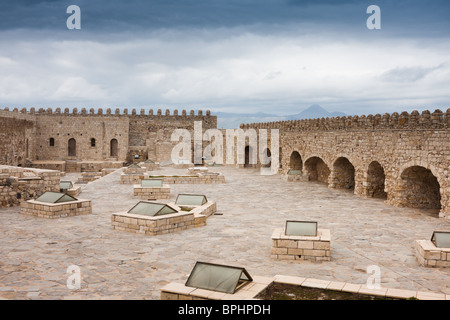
(131, 178)
(301, 248)
(178, 291)
(19, 184)
(150, 166)
(56, 210)
(49, 165)
(89, 177)
(429, 255)
(98, 166)
(146, 193)
(193, 179)
(134, 170)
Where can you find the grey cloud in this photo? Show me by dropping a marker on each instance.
(409, 74)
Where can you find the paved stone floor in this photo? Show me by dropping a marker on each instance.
(35, 253)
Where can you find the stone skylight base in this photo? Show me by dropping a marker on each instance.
(146, 193)
(301, 247)
(429, 255)
(56, 210)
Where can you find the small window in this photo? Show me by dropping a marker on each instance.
(191, 200)
(151, 183)
(441, 239)
(52, 142)
(92, 142)
(151, 209)
(215, 277)
(55, 197)
(65, 185)
(301, 228)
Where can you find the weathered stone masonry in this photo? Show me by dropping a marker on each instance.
(90, 137)
(403, 158)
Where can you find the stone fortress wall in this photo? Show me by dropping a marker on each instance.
(74, 136)
(403, 158)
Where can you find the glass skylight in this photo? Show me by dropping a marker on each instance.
(191, 200)
(151, 209)
(151, 183)
(441, 239)
(217, 277)
(55, 197)
(65, 185)
(133, 166)
(301, 228)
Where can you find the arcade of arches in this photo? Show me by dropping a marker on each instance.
(415, 187)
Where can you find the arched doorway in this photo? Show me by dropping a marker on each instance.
(114, 148)
(268, 155)
(248, 159)
(317, 170)
(419, 188)
(295, 161)
(72, 148)
(343, 174)
(376, 181)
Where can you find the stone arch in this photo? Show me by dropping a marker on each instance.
(72, 148)
(267, 153)
(248, 154)
(316, 170)
(343, 174)
(375, 183)
(418, 187)
(280, 157)
(295, 161)
(114, 148)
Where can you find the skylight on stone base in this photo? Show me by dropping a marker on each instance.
(53, 205)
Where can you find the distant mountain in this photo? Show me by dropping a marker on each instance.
(234, 120)
(315, 112)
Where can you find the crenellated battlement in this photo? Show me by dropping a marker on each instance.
(403, 121)
(107, 112)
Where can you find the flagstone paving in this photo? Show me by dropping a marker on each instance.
(35, 253)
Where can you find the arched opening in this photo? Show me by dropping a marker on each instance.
(114, 148)
(419, 188)
(92, 142)
(51, 142)
(267, 154)
(317, 170)
(295, 162)
(344, 174)
(27, 146)
(248, 160)
(72, 148)
(375, 181)
(280, 157)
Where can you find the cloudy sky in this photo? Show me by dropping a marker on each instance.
(273, 56)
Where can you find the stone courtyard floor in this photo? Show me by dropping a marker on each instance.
(35, 253)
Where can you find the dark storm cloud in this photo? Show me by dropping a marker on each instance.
(411, 17)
